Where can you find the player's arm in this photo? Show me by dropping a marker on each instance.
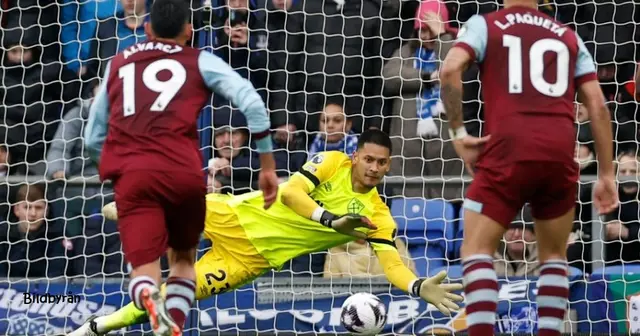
(590, 94)
(223, 80)
(96, 130)
(399, 275)
(295, 195)
(470, 46)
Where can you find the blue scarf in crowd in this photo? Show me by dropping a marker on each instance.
(347, 145)
(428, 100)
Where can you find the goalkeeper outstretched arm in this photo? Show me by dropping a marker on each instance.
(295, 194)
(430, 289)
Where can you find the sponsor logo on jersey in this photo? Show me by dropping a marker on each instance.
(355, 206)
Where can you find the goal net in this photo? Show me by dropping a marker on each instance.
(327, 70)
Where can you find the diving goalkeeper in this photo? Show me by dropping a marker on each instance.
(327, 203)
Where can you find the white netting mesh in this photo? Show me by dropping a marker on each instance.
(335, 66)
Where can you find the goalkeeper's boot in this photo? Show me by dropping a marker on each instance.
(89, 328)
(161, 323)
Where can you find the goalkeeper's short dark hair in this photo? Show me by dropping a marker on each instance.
(375, 136)
(168, 17)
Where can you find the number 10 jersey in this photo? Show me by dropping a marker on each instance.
(530, 68)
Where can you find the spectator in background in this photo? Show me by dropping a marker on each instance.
(331, 47)
(115, 34)
(5, 160)
(230, 171)
(33, 244)
(35, 19)
(623, 125)
(578, 250)
(611, 36)
(411, 76)
(623, 226)
(79, 20)
(335, 134)
(275, 18)
(67, 156)
(586, 159)
(335, 129)
(235, 167)
(517, 255)
(622, 105)
(633, 87)
(277, 21)
(32, 98)
(99, 243)
(357, 259)
(584, 149)
(242, 43)
(6, 169)
(281, 5)
(66, 159)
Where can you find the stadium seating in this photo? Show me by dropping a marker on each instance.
(428, 228)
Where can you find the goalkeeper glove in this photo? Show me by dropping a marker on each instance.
(438, 294)
(345, 224)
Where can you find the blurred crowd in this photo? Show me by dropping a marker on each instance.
(327, 70)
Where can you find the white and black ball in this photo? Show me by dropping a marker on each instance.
(363, 314)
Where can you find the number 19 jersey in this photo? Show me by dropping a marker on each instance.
(145, 114)
(155, 97)
(530, 68)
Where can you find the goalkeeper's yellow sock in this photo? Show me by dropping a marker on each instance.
(124, 317)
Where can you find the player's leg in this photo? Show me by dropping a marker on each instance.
(553, 210)
(181, 285)
(185, 223)
(488, 211)
(139, 211)
(553, 284)
(231, 263)
(481, 238)
(216, 273)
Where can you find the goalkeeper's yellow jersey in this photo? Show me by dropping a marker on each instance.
(279, 234)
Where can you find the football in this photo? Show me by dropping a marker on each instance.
(363, 314)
